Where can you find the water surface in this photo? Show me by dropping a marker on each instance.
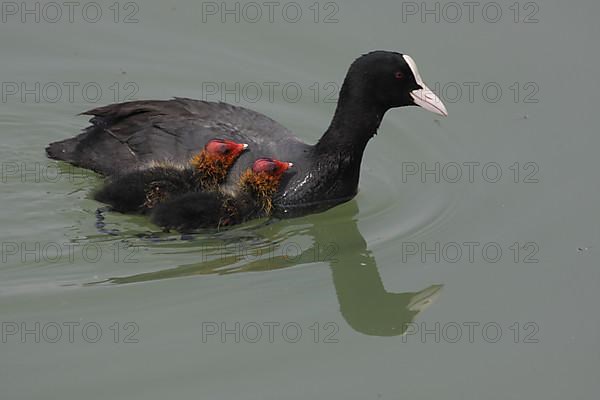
(427, 285)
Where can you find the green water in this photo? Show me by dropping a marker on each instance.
(442, 279)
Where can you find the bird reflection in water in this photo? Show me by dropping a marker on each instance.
(364, 303)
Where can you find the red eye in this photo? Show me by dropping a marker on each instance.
(399, 75)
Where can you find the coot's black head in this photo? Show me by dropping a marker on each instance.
(387, 80)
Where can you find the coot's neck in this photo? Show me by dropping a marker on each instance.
(355, 121)
(332, 175)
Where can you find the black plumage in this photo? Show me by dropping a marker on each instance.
(126, 135)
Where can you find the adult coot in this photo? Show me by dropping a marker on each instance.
(127, 135)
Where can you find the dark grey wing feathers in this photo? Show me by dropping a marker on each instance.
(124, 136)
